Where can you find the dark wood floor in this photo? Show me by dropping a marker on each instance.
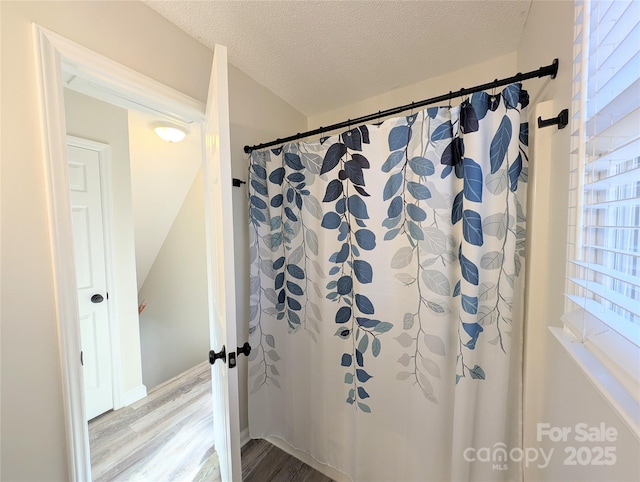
(264, 462)
(168, 437)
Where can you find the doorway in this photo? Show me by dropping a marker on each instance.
(159, 276)
(154, 191)
(56, 54)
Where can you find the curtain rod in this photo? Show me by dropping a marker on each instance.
(548, 70)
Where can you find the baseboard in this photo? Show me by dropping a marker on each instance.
(133, 395)
(244, 437)
(323, 468)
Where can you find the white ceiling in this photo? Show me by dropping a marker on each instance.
(321, 55)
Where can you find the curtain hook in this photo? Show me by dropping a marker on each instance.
(450, 97)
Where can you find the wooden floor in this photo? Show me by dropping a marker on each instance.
(263, 462)
(168, 437)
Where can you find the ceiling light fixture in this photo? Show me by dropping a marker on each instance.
(170, 132)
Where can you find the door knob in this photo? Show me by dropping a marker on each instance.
(222, 355)
(244, 349)
(97, 298)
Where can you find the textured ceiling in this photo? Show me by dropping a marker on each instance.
(320, 55)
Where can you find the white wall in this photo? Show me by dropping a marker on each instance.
(162, 174)
(502, 66)
(557, 391)
(92, 119)
(174, 326)
(32, 433)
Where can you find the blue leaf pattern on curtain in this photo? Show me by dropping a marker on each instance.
(446, 183)
(292, 244)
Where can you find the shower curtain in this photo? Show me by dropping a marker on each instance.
(386, 293)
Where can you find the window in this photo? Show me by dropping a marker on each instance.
(603, 272)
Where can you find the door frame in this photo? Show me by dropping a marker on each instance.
(106, 198)
(52, 53)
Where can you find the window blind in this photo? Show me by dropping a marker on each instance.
(603, 272)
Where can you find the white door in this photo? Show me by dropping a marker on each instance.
(89, 249)
(222, 298)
